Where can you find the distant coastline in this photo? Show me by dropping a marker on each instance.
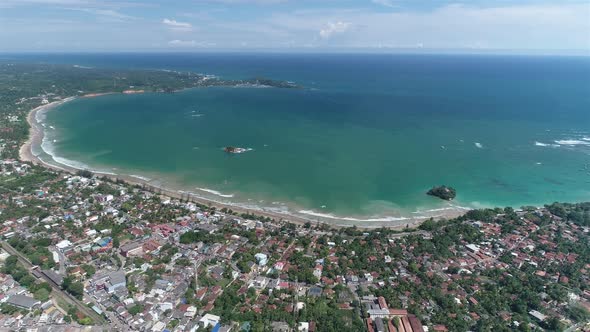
(299, 216)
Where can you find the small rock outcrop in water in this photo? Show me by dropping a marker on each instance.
(443, 192)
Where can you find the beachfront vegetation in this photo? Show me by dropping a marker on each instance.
(84, 173)
(577, 213)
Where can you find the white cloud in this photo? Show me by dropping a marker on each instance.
(333, 28)
(182, 43)
(110, 14)
(555, 27)
(386, 3)
(248, 2)
(77, 3)
(189, 43)
(516, 27)
(177, 26)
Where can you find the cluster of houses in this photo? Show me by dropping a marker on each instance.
(16, 296)
(149, 277)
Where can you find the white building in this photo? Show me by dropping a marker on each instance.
(63, 244)
(261, 259)
(209, 320)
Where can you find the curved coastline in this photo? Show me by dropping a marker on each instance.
(285, 212)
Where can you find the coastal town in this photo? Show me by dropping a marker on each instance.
(82, 252)
(79, 250)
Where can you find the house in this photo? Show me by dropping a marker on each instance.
(63, 244)
(259, 282)
(314, 291)
(317, 272)
(537, 315)
(116, 280)
(279, 266)
(303, 327)
(261, 259)
(379, 326)
(280, 327)
(209, 320)
(159, 326)
(208, 228)
(130, 249)
(472, 247)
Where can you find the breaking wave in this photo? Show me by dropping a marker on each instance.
(546, 144)
(140, 177)
(215, 192)
(573, 142)
(331, 216)
(49, 149)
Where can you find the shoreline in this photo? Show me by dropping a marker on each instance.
(37, 134)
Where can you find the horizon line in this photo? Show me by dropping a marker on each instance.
(330, 51)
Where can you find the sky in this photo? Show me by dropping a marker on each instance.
(527, 26)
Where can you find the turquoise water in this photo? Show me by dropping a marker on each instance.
(366, 137)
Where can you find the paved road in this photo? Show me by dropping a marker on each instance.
(62, 260)
(115, 322)
(57, 291)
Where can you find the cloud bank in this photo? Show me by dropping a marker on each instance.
(260, 24)
(178, 26)
(334, 28)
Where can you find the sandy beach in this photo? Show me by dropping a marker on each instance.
(36, 135)
(36, 132)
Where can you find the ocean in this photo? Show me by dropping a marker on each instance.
(362, 141)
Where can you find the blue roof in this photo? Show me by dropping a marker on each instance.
(103, 242)
(216, 328)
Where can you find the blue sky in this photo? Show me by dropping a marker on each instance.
(528, 26)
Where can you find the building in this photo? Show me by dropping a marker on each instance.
(379, 326)
(56, 278)
(130, 249)
(116, 280)
(23, 302)
(209, 320)
(261, 259)
(537, 315)
(303, 327)
(62, 245)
